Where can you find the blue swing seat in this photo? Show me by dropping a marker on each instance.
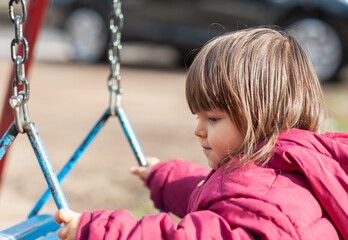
(39, 226)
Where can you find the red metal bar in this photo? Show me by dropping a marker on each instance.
(36, 10)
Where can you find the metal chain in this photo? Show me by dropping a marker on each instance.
(19, 100)
(114, 80)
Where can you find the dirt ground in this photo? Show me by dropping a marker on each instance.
(65, 102)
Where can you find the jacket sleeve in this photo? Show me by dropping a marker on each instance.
(235, 219)
(171, 184)
(121, 224)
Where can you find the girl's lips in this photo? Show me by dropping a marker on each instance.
(206, 149)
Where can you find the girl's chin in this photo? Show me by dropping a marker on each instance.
(212, 165)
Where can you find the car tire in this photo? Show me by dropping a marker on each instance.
(322, 44)
(87, 34)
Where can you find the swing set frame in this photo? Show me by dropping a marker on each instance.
(43, 226)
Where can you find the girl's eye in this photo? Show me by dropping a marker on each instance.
(213, 119)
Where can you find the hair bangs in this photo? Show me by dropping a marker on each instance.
(205, 88)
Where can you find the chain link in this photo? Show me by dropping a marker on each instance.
(114, 80)
(19, 100)
(11, 10)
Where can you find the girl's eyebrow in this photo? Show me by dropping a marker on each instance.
(215, 112)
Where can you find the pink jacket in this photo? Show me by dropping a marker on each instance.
(301, 194)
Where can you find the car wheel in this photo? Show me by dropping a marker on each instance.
(322, 44)
(87, 34)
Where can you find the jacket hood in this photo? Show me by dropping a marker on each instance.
(323, 159)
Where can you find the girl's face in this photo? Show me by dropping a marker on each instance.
(218, 135)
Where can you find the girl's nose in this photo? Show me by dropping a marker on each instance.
(200, 131)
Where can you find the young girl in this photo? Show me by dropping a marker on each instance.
(273, 175)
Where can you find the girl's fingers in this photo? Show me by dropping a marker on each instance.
(63, 215)
(152, 161)
(62, 233)
(143, 172)
(57, 218)
(137, 170)
(140, 172)
(71, 220)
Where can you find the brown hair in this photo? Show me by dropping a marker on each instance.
(263, 79)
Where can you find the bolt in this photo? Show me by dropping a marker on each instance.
(15, 101)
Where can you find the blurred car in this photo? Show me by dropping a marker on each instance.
(319, 25)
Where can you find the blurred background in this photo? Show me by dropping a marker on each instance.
(319, 25)
(68, 80)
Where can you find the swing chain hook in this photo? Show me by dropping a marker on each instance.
(115, 47)
(19, 100)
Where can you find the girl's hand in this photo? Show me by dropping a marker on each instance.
(71, 220)
(143, 172)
